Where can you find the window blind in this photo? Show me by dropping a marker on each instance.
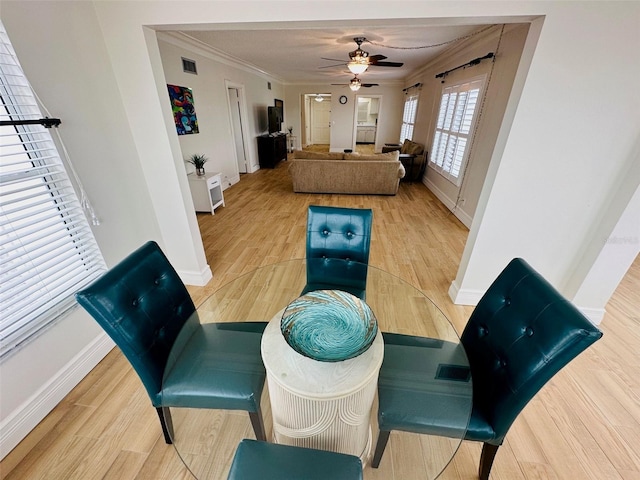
(453, 128)
(409, 117)
(47, 249)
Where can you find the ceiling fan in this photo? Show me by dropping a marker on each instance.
(355, 83)
(359, 60)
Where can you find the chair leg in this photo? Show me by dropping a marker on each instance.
(383, 438)
(166, 422)
(486, 460)
(258, 425)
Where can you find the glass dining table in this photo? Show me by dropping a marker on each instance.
(319, 404)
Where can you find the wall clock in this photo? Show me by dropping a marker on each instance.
(342, 99)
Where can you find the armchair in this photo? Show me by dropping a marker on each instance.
(338, 241)
(412, 155)
(521, 333)
(145, 308)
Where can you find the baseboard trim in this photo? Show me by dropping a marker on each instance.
(198, 279)
(24, 419)
(464, 296)
(472, 297)
(231, 181)
(595, 315)
(449, 203)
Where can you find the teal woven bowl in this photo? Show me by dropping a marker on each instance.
(329, 325)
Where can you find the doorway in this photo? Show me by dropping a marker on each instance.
(235, 95)
(366, 121)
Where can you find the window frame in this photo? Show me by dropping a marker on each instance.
(409, 116)
(47, 248)
(442, 148)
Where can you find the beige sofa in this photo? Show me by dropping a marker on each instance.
(350, 173)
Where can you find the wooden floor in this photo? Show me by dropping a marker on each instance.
(585, 424)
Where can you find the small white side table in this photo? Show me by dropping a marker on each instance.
(292, 140)
(206, 191)
(323, 405)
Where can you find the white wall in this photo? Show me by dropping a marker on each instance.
(550, 180)
(568, 151)
(343, 116)
(619, 248)
(507, 46)
(211, 104)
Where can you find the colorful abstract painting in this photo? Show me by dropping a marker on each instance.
(184, 113)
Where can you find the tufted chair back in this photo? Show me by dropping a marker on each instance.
(338, 241)
(142, 304)
(521, 333)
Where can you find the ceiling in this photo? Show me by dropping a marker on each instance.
(294, 54)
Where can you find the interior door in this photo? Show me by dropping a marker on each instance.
(236, 127)
(320, 118)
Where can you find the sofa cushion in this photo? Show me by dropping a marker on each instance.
(411, 148)
(306, 154)
(392, 156)
(346, 176)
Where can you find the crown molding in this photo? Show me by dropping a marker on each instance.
(182, 40)
(441, 61)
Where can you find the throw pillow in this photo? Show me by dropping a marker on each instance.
(411, 148)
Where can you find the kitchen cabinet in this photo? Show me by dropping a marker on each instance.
(370, 135)
(366, 134)
(374, 106)
(363, 109)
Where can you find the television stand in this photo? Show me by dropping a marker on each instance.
(271, 149)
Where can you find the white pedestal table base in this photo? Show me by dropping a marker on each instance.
(324, 405)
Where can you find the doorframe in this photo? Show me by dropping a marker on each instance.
(376, 147)
(308, 118)
(244, 115)
(306, 121)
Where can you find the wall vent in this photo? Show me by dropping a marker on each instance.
(189, 66)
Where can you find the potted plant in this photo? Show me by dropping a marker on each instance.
(198, 160)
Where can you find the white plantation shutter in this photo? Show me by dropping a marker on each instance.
(47, 249)
(409, 117)
(454, 123)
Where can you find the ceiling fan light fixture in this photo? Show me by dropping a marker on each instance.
(355, 84)
(357, 67)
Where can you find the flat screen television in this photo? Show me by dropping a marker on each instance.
(275, 119)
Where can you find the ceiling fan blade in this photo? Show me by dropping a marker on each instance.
(367, 85)
(376, 58)
(340, 84)
(336, 65)
(388, 64)
(335, 59)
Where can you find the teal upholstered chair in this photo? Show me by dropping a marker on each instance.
(145, 308)
(521, 333)
(338, 241)
(268, 461)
